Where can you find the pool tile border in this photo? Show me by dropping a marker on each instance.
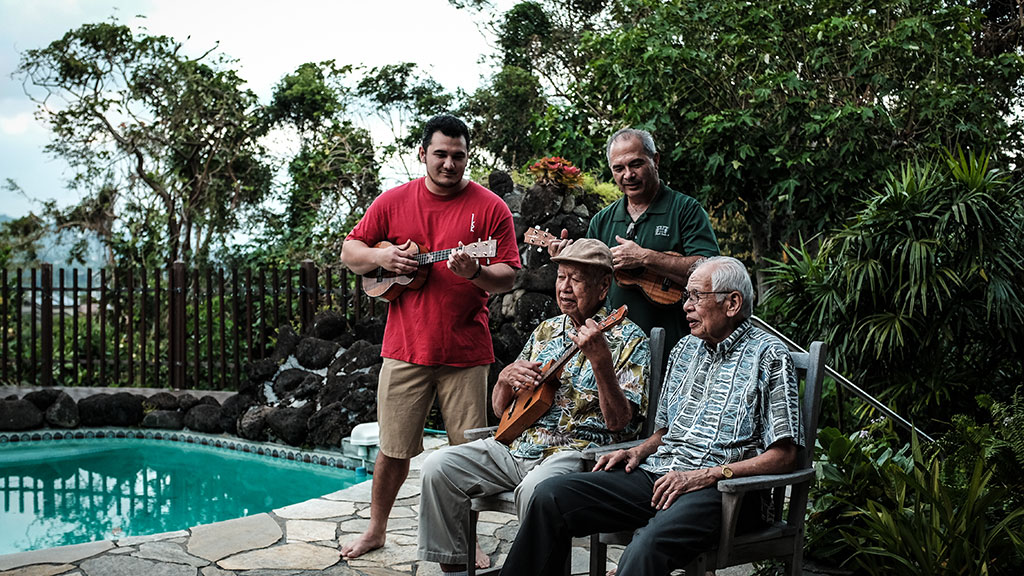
(328, 459)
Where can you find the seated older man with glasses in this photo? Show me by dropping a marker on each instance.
(729, 407)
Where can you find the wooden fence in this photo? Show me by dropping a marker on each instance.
(171, 327)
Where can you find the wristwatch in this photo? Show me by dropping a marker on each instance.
(726, 472)
(479, 269)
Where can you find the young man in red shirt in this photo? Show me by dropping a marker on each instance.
(437, 340)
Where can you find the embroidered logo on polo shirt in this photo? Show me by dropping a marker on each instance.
(661, 230)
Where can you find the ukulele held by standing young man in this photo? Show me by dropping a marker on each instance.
(437, 341)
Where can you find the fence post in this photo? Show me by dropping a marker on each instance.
(309, 290)
(176, 325)
(46, 325)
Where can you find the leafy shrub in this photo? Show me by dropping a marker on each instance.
(850, 471)
(919, 296)
(927, 528)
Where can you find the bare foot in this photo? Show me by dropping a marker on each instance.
(366, 542)
(482, 559)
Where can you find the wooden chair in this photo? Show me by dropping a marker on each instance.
(505, 501)
(785, 538)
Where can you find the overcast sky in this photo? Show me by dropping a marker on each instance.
(270, 39)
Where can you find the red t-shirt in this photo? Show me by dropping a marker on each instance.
(445, 321)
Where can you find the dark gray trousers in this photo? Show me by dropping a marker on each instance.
(584, 503)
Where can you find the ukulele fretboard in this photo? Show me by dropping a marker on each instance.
(431, 257)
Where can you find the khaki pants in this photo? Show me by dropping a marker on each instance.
(405, 394)
(452, 476)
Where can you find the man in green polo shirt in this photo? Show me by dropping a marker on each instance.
(649, 221)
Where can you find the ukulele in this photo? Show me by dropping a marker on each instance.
(525, 410)
(657, 289)
(387, 285)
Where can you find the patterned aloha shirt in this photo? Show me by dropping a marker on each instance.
(575, 421)
(725, 403)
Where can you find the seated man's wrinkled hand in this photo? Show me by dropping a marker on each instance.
(676, 483)
(628, 458)
(522, 376)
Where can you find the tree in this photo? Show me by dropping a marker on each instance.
(499, 112)
(784, 112)
(404, 99)
(334, 174)
(163, 138)
(780, 113)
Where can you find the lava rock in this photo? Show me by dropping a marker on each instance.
(164, 420)
(204, 418)
(314, 353)
(287, 340)
(252, 424)
(17, 415)
(328, 426)
(186, 402)
(161, 401)
(63, 412)
(329, 325)
(43, 398)
(233, 407)
(289, 424)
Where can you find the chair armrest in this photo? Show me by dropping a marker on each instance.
(479, 433)
(748, 483)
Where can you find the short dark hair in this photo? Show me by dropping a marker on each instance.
(449, 125)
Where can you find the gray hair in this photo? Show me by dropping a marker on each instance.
(730, 274)
(645, 138)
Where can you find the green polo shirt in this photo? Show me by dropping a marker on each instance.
(674, 222)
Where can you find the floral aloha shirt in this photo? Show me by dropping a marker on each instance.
(574, 421)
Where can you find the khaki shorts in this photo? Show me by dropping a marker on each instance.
(405, 394)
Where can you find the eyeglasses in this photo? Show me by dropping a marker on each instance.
(694, 295)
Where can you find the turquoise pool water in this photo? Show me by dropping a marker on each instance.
(54, 493)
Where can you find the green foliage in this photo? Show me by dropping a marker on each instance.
(932, 529)
(607, 192)
(19, 240)
(892, 509)
(405, 99)
(501, 113)
(526, 24)
(851, 470)
(919, 295)
(334, 175)
(998, 442)
(307, 98)
(157, 140)
(781, 113)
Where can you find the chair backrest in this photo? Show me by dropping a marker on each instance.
(811, 365)
(654, 380)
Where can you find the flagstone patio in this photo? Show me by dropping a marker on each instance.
(297, 540)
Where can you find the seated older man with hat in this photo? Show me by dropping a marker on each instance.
(601, 399)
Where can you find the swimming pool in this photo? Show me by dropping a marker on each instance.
(70, 491)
